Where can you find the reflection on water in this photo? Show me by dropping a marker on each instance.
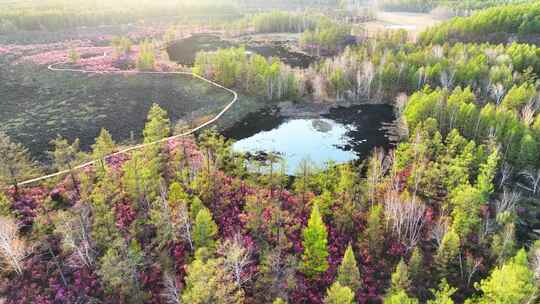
(343, 135)
(299, 139)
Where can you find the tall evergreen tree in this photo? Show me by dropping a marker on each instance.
(444, 294)
(338, 294)
(415, 263)
(487, 174)
(513, 282)
(400, 297)
(373, 235)
(204, 230)
(314, 258)
(348, 273)
(447, 253)
(15, 162)
(400, 278)
(207, 283)
(103, 146)
(158, 125)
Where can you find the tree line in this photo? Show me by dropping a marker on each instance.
(434, 221)
(520, 19)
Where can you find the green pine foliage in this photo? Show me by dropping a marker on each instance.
(443, 295)
(147, 58)
(338, 294)
(157, 124)
(513, 282)
(348, 273)
(204, 230)
(314, 258)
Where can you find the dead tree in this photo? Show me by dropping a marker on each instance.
(236, 259)
(532, 178)
(404, 217)
(75, 231)
(12, 248)
(172, 289)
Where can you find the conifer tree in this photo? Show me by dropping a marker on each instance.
(400, 297)
(15, 162)
(415, 263)
(487, 174)
(400, 278)
(104, 146)
(5, 205)
(146, 58)
(348, 273)
(158, 125)
(119, 268)
(314, 258)
(73, 55)
(206, 282)
(338, 294)
(177, 194)
(204, 230)
(66, 156)
(373, 235)
(447, 252)
(513, 282)
(444, 294)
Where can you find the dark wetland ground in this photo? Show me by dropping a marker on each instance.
(34, 110)
(184, 51)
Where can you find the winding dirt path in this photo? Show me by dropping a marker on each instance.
(54, 68)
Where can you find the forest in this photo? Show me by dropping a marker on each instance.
(513, 19)
(463, 7)
(450, 213)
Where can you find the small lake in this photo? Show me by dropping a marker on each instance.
(343, 135)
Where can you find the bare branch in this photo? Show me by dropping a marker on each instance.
(172, 290)
(12, 248)
(406, 218)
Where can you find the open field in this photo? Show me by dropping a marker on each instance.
(414, 23)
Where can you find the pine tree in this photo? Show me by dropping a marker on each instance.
(529, 150)
(146, 58)
(444, 294)
(205, 229)
(15, 162)
(314, 258)
(67, 156)
(5, 206)
(348, 273)
(447, 252)
(119, 268)
(400, 297)
(400, 278)
(415, 264)
(177, 194)
(373, 235)
(338, 294)
(157, 124)
(104, 146)
(141, 178)
(487, 173)
(73, 55)
(206, 283)
(513, 282)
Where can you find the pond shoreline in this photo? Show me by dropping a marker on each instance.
(312, 109)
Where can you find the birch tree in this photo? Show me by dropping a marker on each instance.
(12, 247)
(236, 259)
(15, 162)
